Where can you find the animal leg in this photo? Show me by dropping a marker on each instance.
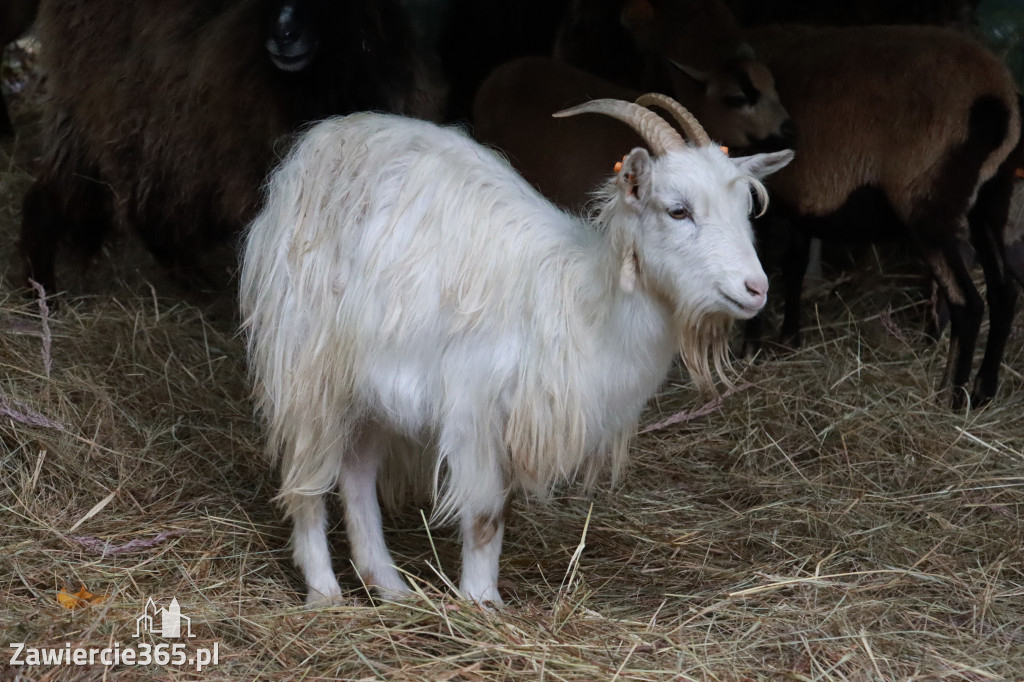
(987, 220)
(477, 491)
(482, 533)
(51, 208)
(1015, 260)
(6, 127)
(1001, 293)
(794, 266)
(363, 521)
(309, 547)
(937, 316)
(965, 312)
(41, 229)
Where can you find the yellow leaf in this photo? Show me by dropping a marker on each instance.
(79, 599)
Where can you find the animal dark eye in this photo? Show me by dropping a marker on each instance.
(734, 101)
(680, 213)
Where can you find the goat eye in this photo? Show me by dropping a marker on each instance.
(680, 213)
(734, 101)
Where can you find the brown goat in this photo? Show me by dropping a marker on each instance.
(164, 114)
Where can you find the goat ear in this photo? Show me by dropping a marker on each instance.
(701, 77)
(745, 51)
(762, 165)
(634, 179)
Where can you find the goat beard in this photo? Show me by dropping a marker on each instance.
(703, 340)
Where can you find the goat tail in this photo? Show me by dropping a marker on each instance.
(303, 384)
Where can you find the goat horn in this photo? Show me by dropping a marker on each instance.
(687, 121)
(656, 131)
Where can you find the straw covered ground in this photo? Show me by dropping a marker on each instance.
(831, 520)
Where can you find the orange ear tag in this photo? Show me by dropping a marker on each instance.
(618, 166)
(725, 150)
(1019, 173)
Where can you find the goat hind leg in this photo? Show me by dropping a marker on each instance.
(482, 520)
(482, 534)
(309, 547)
(1001, 293)
(966, 308)
(363, 521)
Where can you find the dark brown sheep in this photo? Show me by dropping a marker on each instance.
(165, 115)
(903, 132)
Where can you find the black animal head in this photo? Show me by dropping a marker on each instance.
(291, 41)
(339, 56)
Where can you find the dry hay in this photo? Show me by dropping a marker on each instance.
(831, 521)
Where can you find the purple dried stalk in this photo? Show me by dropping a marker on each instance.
(887, 320)
(44, 316)
(103, 548)
(702, 411)
(26, 415)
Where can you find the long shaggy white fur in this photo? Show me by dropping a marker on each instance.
(412, 303)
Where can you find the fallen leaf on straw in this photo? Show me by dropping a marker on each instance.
(79, 599)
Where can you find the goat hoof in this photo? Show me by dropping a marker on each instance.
(956, 397)
(316, 599)
(780, 348)
(489, 605)
(750, 348)
(393, 594)
(789, 341)
(982, 395)
(487, 599)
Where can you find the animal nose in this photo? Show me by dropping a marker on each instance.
(757, 288)
(788, 132)
(784, 139)
(288, 28)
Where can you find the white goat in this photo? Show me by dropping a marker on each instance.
(413, 305)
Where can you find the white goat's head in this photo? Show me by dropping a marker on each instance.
(683, 218)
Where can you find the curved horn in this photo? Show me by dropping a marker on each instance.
(687, 121)
(655, 130)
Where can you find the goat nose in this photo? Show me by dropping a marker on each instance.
(757, 287)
